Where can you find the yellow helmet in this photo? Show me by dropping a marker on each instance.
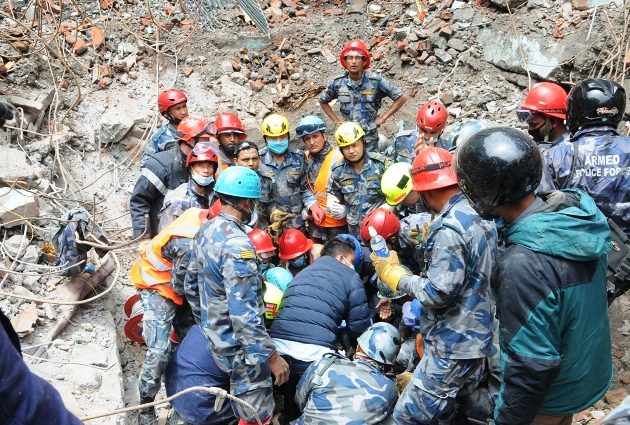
(396, 183)
(348, 133)
(272, 298)
(275, 125)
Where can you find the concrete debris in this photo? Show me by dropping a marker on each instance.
(89, 354)
(113, 127)
(17, 203)
(16, 167)
(25, 320)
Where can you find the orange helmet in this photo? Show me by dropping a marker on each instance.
(432, 116)
(357, 46)
(202, 152)
(292, 244)
(261, 241)
(193, 128)
(227, 122)
(170, 97)
(433, 169)
(385, 222)
(548, 99)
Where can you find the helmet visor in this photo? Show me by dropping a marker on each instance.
(524, 115)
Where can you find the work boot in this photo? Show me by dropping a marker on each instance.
(146, 416)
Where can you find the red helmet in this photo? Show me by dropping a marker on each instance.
(261, 241)
(229, 122)
(358, 46)
(193, 127)
(292, 244)
(548, 99)
(202, 152)
(432, 116)
(433, 169)
(385, 222)
(169, 98)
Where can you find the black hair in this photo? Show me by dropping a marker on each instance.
(338, 246)
(244, 145)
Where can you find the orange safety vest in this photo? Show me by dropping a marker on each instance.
(320, 187)
(151, 270)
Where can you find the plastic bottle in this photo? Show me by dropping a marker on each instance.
(377, 243)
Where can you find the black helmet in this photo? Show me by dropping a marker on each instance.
(497, 166)
(594, 102)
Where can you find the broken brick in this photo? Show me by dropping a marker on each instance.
(625, 379)
(402, 44)
(106, 4)
(21, 45)
(614, 397)
(145, 21)
(626, 59)
(384, 42)
(187, 71)
(236, 65)
(80, 46)
(446, 31)
(133, 74)
(328, 12)
(375, 40)
(445, 15)
(300, 12)
(256, 85)
(377, 55)
(71, 38)
(97, 36)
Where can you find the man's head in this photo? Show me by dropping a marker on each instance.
(191, 130)
(238, 188)
(230, 131)
(172, 104)
(202, 163)
(496, 167)
(246, 154)
(354, 56)
(386, 224)
(380, 342)
(263, 244)
(350, 138)
(434, 177)
(294, 247)
(544, 110)
(397, 186)
(312, 130)
(275, 129)
(342, 249)
(431, 120)
(595, 102)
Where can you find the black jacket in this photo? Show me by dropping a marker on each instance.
(162, 172)
(317, 300)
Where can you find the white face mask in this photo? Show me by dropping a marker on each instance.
(201, 180)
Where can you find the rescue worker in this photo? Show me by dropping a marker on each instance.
(313, 307)
(454, 291)
(158, 274)
(337, 390)
(192, 365)
(294, 250)
(263, 245)
(285, 168)
(355, 183)
(173, 105)
(321, 156)
(430, 123)
(550, 282)
(230, 131)
(360, 94)
(201, 163)
(396, 185)
(223, 264)
(598, 155)
(544, 110)
(458, 133)
(164, 171)
(247, 156)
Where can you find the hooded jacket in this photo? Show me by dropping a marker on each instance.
(553, 314)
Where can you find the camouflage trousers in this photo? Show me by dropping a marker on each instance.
(159, 313)
(324, 234)
(431, 398)
(250, 383)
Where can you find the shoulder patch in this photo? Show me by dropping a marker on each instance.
(247, 254)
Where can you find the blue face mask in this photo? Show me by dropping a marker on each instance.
(278, 146)
(264, 267)
(201, 180)
(298, 262)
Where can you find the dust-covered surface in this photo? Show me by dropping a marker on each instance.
(86, 77)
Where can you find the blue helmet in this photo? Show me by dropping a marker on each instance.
(310, 124)
(278, 276)
(358, 253)
(238, 181)
(381, 342)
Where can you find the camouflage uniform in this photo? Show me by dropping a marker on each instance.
(361, 192)
(287, 184)
(179, 200)
(313, 166)
(457, 313)
(403, 148)
(359, 101)
(602, 170)
(158, 318)
(162, 140)
(263, 205)
(336, 390)
(223, 263)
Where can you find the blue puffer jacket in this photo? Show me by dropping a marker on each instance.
(317, 300)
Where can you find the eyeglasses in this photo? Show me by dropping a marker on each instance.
(244, 146)
(524, 115)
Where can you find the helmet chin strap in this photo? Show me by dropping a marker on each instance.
(171, 118)
(246, 215)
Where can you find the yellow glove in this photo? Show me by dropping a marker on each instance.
(389, 269)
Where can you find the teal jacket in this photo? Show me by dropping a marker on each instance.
(553, 315)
